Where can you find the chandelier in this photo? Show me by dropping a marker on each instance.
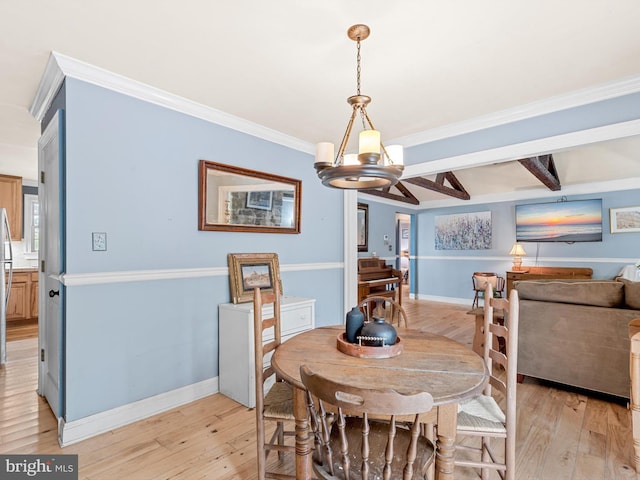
(374, 165)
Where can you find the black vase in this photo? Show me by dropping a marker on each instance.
(355, 320)
(380, 329)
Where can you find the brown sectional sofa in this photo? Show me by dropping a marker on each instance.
(575, 332)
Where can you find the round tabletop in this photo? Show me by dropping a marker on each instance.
(446, 369)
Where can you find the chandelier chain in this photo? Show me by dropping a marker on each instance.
(358, 71)
(358, 68)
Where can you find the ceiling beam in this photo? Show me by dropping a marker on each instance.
(455, 190)
(544, 169)
(406, 197)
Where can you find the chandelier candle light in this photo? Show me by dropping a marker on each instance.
(374, 165)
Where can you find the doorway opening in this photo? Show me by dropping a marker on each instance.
(403, 249)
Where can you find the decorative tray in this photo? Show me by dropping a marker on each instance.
(366, 351)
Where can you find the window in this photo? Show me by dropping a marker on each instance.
(31, 223)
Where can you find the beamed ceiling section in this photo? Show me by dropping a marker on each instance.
(446, 183)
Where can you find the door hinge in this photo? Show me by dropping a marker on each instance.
(42, 354)
(42, 266)
(42, 177)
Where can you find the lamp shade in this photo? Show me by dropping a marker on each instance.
(517, 250)
(369, 141)
(324, 153)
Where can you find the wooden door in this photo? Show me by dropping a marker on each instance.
(51, 331)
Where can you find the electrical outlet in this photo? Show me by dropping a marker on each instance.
(99, 240)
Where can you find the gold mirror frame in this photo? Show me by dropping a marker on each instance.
(234, 199)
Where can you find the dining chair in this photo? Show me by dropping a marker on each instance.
(366, 433)
(634, 372)
(493, 413)
(276, 405)
(385, 307)
(480, 281)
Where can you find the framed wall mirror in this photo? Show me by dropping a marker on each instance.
(237, 199)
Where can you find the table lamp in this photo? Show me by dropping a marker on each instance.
(517, 252)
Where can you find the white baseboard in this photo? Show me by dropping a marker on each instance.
(78, 430)
(458, 301)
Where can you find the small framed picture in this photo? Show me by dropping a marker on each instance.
(363, 227)
(260, 200)
(248, 271)
(625, 219)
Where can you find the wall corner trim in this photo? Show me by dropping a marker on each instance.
(49, 85)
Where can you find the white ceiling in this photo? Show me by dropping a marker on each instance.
(288, 65)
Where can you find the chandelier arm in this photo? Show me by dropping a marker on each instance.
(347, 133)
(366, 115)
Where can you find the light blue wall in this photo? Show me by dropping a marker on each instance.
(382, 221)
(132, 172)
(447, 273)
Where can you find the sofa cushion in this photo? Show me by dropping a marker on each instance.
(631, 293)
(600, 293)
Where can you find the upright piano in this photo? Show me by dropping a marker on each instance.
(375, 277)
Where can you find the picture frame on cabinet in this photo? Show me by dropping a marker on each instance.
(248, 271)
(625, 219)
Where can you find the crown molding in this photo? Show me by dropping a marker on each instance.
(578, 98)
(49, 85)
(60, 66)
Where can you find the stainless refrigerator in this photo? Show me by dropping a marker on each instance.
(6, 260)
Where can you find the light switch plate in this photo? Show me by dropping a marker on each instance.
(99, 241)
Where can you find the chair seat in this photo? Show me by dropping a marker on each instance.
(378, 436)
(481, 414)
(278, 402)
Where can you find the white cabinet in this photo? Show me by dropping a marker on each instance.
(236, 363)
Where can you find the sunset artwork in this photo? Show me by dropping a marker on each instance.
(568, 221)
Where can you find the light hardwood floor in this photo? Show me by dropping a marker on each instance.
(561, 434)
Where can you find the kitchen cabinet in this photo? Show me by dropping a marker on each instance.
(11, 199)
(23, 298)
(33, 294)
(236, 376)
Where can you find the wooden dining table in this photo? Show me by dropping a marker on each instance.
(444, 368)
